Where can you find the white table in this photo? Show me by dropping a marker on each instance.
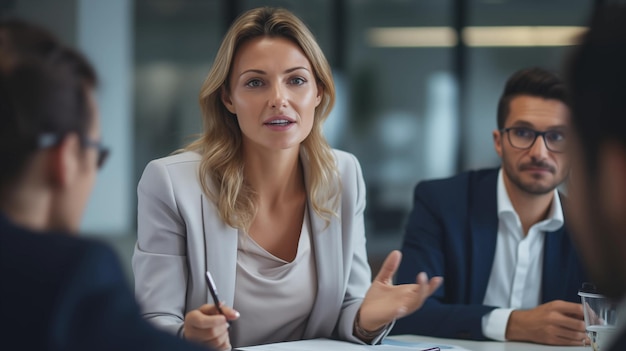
(488, 345)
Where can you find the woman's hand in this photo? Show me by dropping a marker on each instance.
(385, 302)
(207, 326)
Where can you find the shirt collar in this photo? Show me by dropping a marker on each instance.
(554, 220)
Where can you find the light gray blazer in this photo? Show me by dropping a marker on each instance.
(180, 237)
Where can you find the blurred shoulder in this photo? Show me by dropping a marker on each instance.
(48, 259)
(457, 192)
(57, 246)
(459, 181)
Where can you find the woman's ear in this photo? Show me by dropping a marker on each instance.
(227, 101)
(320, 93)
(64, 162)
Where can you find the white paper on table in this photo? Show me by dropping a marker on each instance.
(328, 344)
(419, 345)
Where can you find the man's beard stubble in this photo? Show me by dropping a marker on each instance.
(534, 188)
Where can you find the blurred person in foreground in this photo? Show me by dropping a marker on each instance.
(499, 235)
(263, 203)
(58, 292)
(597, 75)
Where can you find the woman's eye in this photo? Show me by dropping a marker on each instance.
(298, 81)
(254, 83)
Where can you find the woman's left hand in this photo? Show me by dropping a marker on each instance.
(385, 302)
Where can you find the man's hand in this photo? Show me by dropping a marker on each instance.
(553, 323)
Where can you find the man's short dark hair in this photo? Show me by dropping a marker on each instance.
(533, 81)
(597, 76)
(43, 90)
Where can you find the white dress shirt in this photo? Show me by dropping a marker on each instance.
(515, 280)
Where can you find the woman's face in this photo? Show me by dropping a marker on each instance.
(273, 93)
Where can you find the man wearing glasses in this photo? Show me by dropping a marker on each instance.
(498, 236)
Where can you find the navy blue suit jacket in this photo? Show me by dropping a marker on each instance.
(64, 293)
(452, 232)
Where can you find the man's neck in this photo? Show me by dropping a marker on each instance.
(530, 208)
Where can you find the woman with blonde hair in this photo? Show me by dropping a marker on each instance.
(263, 203)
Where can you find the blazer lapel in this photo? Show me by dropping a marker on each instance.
(326, 244)
(483, 232)
(554, 266)
(220, 243)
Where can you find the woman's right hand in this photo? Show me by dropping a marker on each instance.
(207, 326)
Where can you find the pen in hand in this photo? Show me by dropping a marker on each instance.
(213, 291)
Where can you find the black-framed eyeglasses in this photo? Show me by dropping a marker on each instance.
(49, 140)
(103, 151)
(524, 138)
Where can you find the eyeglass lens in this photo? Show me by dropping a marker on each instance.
(524, 138)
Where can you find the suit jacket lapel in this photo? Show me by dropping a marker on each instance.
(220, 243)
(483, 232)
(554, 266)
(326, 244)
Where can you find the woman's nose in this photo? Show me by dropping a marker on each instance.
(277, 99)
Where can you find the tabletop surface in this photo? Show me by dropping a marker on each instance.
(488, 345)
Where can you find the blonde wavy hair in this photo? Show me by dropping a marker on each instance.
(221, 143)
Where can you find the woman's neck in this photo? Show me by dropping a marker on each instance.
(27, 207)
(275, 175)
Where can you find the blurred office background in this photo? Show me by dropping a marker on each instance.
(418, 83)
